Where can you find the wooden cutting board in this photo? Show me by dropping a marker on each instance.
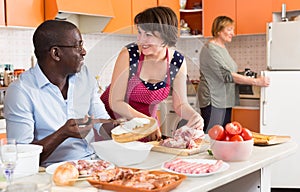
(181, 152)
(263, 139)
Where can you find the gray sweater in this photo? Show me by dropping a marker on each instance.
(216, 82)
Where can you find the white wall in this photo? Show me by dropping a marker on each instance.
(102, 49)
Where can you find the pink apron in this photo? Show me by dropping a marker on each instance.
(138, 96)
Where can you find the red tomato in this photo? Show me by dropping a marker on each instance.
(246, 134)
(236, 138)
(216, 132)
(234, 128)
(227, 137)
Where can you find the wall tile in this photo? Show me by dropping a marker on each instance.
(102, 50)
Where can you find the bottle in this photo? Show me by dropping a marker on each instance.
(6, 72)
(283, 13)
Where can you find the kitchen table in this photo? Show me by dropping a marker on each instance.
(251, 175)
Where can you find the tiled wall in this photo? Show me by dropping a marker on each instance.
(16, 48)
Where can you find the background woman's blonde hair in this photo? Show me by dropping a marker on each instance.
(219, 24)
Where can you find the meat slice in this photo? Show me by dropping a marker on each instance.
(174, 143)
(184, 138)
(187, 134)
(215, 167)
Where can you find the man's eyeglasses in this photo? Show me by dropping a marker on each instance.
(78, 47)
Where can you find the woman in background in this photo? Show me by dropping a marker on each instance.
(145, 72)
(218, 90)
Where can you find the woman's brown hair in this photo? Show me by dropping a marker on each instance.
(219, 24)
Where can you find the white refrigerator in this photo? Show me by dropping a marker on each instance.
(280, 102)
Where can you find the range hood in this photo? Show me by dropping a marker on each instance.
(89, 16)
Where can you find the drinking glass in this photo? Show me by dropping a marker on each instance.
(8, 157)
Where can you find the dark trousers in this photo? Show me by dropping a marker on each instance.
(213, 116)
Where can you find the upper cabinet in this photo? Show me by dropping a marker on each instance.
(173, 4)
(125, 11)
(121, 22)
(139, 6)
(2, 13)
(25, 13)
(214, 8)
(89, 17)
(250, 16)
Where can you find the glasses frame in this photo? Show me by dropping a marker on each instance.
(78, 47)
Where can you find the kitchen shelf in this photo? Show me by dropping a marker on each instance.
(190, 10)
(190, 36)
(192, 15)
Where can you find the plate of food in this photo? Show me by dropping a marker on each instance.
(195, 167)
(132, 179)
(133, 130)
(85, 167)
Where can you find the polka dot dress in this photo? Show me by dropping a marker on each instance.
(141, 95)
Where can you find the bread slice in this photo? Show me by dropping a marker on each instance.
(136, 133)
(263, 139)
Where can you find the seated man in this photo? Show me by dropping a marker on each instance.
(42, 105)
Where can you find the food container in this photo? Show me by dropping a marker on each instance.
(122, 154)
(232, 150)
(28, 159)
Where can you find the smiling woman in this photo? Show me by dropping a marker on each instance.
(218, 88)
(154, 67)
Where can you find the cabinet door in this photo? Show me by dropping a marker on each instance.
(291, 5)
(252, 16)
(121, 22)
(215, 8)
(173, 4)
(2, 13)
(249, 118)
(138, 6)
(27, 13)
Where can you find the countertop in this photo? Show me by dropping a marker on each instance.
(260, 158)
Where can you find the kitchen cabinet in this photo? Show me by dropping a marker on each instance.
(250, 16)
(214, 8)
(173, 4)
(247, 116)
(25, 13)
(2, 135)
(125, 11)
(192, 15)
(121, 22)
(138, 6)
(2, 13)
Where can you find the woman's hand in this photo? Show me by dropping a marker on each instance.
(155, 136)
(196, 122)
(262, 81)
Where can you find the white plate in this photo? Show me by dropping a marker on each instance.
(51, 168)
(224, 167)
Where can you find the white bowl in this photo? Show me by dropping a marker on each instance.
(231, 150)
(122, 154)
